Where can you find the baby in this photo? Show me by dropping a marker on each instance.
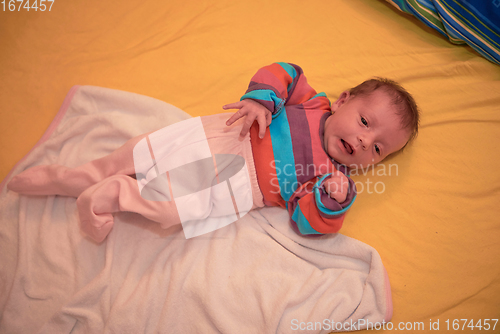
(295, 147)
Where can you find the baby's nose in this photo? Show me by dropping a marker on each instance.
(364, 142)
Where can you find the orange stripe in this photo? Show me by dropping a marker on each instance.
(266, 174)
(215, 167)
(317, 222)
(152, 156)
(280, 73)
(170, 188)
(302, 92)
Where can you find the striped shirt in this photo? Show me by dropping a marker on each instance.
(291, 162)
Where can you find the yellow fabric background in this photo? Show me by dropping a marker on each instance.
(436, 223)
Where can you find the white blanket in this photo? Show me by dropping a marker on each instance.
(253, 276)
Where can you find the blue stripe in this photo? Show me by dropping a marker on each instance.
(406, 7)
(427, 22)
(477, 44)
(321, 206)
(302, 222)
(291, 72)
(289, 69)
(479, 17)
(461, 14)
(260, 94)
(322, 94)
(283, 155)
(427, 4)
(484, 18)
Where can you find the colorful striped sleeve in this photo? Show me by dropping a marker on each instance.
(315, 212)
(277, 85)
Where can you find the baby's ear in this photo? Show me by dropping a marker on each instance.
(344, 96)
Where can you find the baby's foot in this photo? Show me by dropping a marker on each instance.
(18, 183)
(42, 180)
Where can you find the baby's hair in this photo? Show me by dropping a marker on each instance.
(405, 105)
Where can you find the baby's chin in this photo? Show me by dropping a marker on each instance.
(353, 164)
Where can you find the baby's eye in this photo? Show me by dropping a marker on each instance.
(363, 120)
(377, 149)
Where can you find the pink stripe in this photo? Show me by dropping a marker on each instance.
(268, 78)
(302, 92)
(320, 158)
(388, 298)
(53, 125)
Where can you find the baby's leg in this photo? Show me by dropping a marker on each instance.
(115, 194)
(61, 180)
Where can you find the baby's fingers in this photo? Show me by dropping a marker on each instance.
(261, 119)
(235, 105)
(237, 115)
(246, 126)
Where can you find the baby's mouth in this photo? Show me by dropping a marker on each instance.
(348, 147)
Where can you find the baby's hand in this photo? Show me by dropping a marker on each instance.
(253, 111)
(337, 186)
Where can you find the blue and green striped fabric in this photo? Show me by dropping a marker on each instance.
(461, 21)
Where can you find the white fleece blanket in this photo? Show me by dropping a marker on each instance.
(253, 276)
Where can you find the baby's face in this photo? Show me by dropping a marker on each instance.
(364, 130)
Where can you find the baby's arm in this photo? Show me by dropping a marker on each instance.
(272, 87)
(320, 205)
(337, 186)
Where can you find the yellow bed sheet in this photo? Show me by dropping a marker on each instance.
(432, 212)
